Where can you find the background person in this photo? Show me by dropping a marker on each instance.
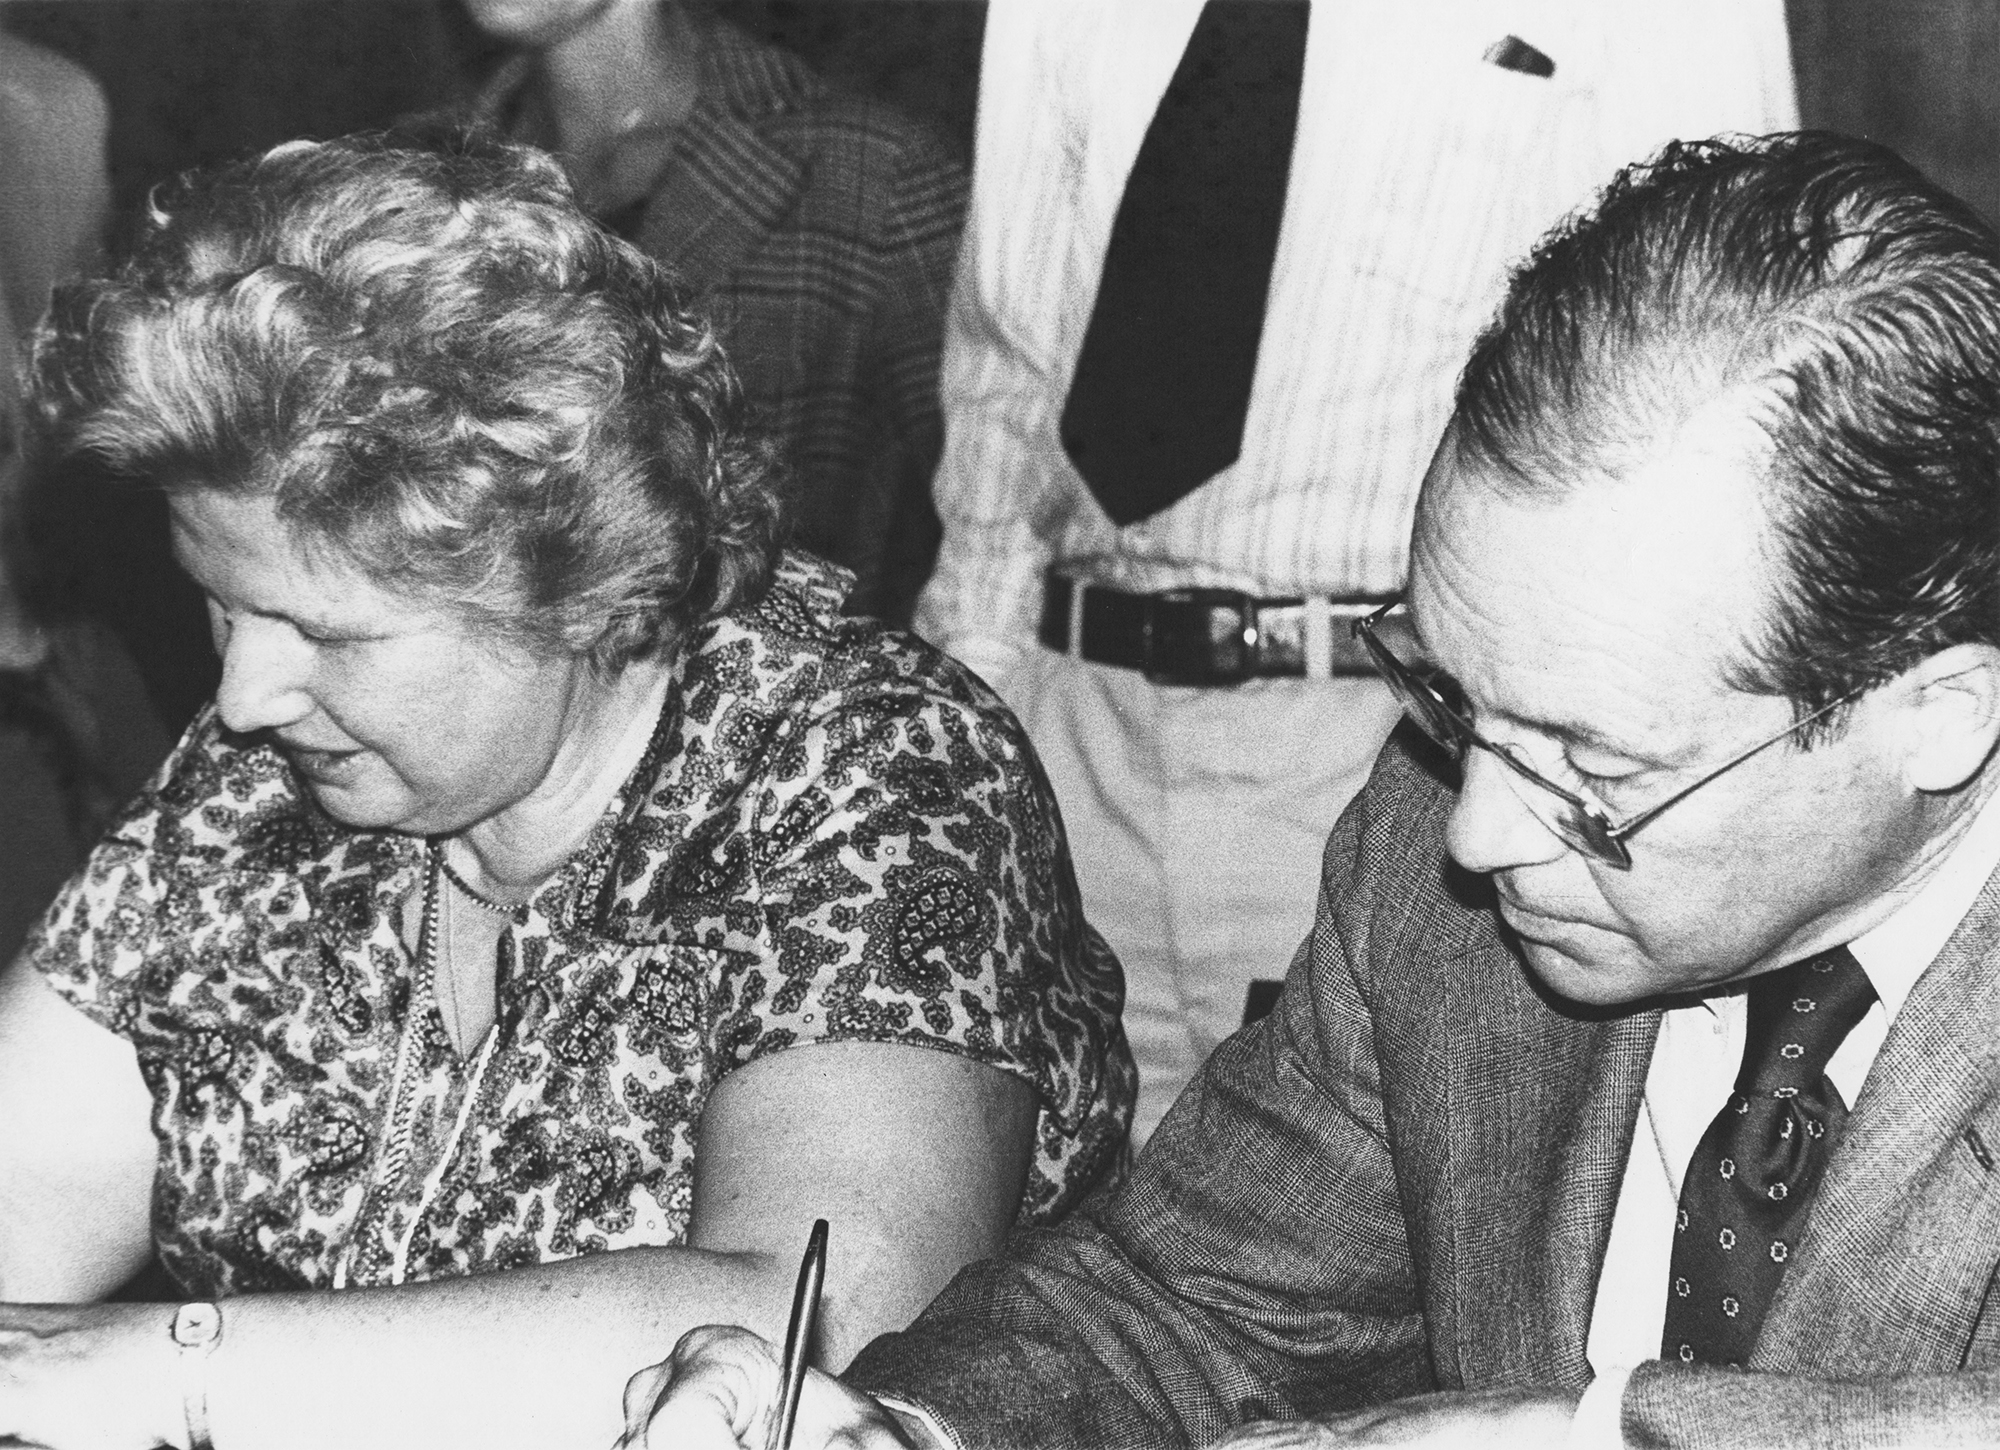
(1650, 1049)
(817, 229)
(1175, 362)
(55, 191)
(77, 733)
(543, 819)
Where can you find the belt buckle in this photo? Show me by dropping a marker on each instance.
(1200, 637)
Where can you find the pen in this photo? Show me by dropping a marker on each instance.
(798, 1335)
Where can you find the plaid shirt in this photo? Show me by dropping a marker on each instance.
(819, 230)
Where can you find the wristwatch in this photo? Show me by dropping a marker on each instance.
(197, 1330)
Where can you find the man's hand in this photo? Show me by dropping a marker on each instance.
(1493, 1419)
(719, 1391)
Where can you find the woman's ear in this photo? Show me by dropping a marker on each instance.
(1952, 716)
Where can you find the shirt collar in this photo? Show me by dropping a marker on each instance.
(1896, 951)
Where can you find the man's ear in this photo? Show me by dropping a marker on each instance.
(1952, 719)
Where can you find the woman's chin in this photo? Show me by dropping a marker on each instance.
(349, 787)
(357, 813)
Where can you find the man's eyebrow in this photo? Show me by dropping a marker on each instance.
(1567, 733)
(1575, 732)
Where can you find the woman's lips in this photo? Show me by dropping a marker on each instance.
(319, 763)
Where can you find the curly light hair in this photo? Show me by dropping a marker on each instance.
(440, 368)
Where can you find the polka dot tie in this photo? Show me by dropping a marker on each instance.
(1751, 1181)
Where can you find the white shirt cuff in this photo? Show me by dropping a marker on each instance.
(923, 1420)
(1598, 1423)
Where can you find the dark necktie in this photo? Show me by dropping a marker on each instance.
(1162, 384)
(1751, 1182)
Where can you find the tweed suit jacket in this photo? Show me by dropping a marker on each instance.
(1403, 1181)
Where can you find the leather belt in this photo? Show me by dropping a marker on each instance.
(1214, 636)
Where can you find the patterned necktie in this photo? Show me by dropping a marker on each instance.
(1162, 384)
(1751, 1182)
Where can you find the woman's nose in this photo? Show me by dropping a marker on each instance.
(1491, 828)
(266, 673)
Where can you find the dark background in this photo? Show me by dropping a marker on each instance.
(194, 81)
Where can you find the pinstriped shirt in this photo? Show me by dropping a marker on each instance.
(1419, 173)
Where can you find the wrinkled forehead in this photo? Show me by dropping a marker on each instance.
(1669, 564)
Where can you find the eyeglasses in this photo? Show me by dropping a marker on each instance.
(1578, 822)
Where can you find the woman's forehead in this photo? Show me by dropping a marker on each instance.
(243, 552)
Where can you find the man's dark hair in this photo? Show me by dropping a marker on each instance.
(1854, 306)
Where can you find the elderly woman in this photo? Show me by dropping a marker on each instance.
(544, 818)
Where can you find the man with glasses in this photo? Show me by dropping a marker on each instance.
(1640, 1082)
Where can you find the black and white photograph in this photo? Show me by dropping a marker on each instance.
(999, 724)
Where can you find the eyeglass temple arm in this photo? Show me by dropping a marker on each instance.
(1625, 828)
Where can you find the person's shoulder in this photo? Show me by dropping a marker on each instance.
(54, 89)
(795, 652)
(777, 91)
(791, 723)
(1408, 796)
(1388, 879)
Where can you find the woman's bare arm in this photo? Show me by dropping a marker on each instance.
(76, 1151)
(916, 1156)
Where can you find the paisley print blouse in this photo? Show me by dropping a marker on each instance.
(837, 835)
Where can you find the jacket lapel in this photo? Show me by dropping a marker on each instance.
(1894, 1265)
(1541, 1117)
(731, 182)
(728, 187)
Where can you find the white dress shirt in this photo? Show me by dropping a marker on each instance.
(1692, 1074)
(1420, 174)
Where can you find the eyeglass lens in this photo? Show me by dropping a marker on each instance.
(1570, 822)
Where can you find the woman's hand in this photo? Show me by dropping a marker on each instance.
(719, 1391)
(101, 1377)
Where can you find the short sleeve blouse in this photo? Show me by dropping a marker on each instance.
(837, 835)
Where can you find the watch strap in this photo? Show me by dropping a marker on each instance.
(197, 1329)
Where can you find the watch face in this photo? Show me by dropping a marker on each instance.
(197, 1325)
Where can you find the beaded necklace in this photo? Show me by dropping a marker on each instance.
(466, 888)
(393, 1158)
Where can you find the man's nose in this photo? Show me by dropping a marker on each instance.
(1491, 828)
(266, 674)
